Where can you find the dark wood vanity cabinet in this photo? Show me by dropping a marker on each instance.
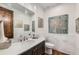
(36, 50)
(7, 17)
(39, 49)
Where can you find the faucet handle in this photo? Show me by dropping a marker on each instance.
(24, 38)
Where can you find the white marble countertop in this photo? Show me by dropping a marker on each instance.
(19, 47)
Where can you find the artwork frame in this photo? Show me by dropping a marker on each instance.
(77, 25)
(40, 22)
(33, 26)
(58, 24)
(26, 27)
(19, 24)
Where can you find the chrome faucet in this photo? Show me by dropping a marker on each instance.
(23, 38)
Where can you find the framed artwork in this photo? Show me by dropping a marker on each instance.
(26, 27)
(77, 25)
(19, 24)
(33, 26)
(40, 22)
(58, 24)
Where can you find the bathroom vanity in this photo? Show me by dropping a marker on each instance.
(38, 49)
(28, 47)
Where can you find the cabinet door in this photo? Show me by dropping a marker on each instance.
(8, 22)
(34, 51)
(39, 49)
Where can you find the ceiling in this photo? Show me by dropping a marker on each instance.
(46, 6)
(19, 7)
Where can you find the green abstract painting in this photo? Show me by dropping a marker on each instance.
(58, 24)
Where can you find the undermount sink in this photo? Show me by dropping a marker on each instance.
(30, 41)
(5, 45)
